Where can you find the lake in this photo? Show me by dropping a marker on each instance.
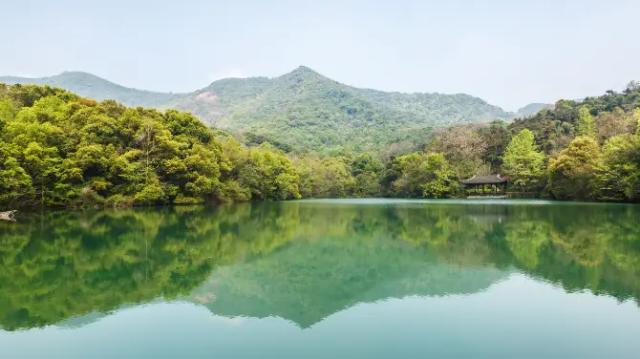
(324, 279)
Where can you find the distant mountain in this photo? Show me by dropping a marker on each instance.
(91, 86)
(301, 110)
(531, 109)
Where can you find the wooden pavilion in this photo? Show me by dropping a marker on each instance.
(489, 185)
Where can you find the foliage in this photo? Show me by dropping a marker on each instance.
(496, 137)
(522, 162)
(573, 174)
(620, 179)
(421, 174)
(326, 177)
(554, 128)
(463, 147)
(586, 123)
(62, 150)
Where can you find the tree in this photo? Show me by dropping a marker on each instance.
(15, 183)
(586, 124)
(423, 175)
(440, 181)
(366, 171)
(268, 174)
(574, 173)
(496, 136)
(463, 147)
(620, 177)
(522, 162)
(614, 123)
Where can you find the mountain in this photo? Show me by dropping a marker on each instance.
(91, 86)
(300, 111)
(531, 109)
(307, 281)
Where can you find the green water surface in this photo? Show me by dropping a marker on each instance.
(324, 279)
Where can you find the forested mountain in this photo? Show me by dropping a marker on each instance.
(301, 111)
(612, 114)
(305, 111)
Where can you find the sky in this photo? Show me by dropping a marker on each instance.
(509, 52)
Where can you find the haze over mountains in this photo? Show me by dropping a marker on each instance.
(301, 110)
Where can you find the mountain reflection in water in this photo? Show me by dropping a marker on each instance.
(305, 260)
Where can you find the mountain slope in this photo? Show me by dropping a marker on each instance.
(532, 108)
(305, 111)
(300, 111)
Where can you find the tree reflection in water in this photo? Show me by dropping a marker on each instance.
(305, 260)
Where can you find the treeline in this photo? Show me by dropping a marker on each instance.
(61, 150)
(577, 150)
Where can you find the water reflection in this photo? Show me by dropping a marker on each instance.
(304, 261)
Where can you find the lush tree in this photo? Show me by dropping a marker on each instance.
(366, 171)
(423, 175)
(325, 177)
(496, 136)
(586, 124)
(573, 174)
(522, 162)
(440, 181)
(15, 183)
(62, 150)
(620, 179)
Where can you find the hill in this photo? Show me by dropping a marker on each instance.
(532, 109)
(91, 86)
(301, 111)
(555, 126)
(304, 111)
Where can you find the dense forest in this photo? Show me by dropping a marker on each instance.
(61, 150)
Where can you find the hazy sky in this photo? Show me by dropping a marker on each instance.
(508, 52)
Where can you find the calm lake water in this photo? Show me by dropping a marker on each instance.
(324, 279)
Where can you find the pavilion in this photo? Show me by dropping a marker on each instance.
(495, 183)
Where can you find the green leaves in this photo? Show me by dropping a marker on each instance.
(586, 123)
(522, 162)
(423, 175)
(574, 173)
(61, 150)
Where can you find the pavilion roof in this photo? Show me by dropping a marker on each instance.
(489, 179)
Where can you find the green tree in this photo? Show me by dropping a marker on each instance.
(620, 178)
(366, 171)
(573, 174)
(496, 137)
(423, 175)
(440, 179)
(522, 162)
(15, 183)
(586, 123)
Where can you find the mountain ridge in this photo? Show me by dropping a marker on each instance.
(300, 111)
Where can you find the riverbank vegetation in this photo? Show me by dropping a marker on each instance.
(61, 150)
